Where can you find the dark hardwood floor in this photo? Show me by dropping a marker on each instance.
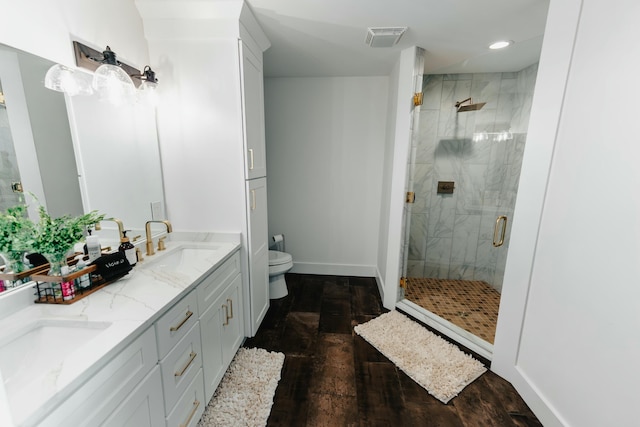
(333, 377)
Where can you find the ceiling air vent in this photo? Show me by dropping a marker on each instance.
(384, 36)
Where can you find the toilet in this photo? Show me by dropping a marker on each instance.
(279, 264)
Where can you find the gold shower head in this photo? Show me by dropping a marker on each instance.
(468, 107)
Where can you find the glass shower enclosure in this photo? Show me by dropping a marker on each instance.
(464, 170)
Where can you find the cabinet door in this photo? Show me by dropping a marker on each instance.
(210, 333)
(258, 252)
(253, 103)
(143, 407)
(232, 323)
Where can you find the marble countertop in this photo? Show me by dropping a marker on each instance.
(120, 311)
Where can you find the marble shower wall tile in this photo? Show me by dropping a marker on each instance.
(470, 188)
(441, 218)
(418, 237)
(486, 88)
(422, 186)
(525, 85)
(415, 268)
(438, 257)
(506, 104)
(431, 92)
(486, 258)
(427, 136)
(465, 239)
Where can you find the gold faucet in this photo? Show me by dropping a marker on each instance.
(147, 227)
(117, 221)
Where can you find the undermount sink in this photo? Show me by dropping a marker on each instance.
(29, 352)
(182, 258)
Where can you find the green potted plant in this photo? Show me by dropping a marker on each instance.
(16, 230)
(55, 237)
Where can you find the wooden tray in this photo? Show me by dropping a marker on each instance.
(48, 298)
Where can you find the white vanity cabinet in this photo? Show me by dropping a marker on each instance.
(167, 375)
(221, 321)
(119, 393)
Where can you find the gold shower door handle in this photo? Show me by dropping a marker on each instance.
(500, 242)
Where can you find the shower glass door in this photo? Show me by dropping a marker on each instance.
(464, 171)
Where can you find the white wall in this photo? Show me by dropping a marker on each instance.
(387, 173)
(392, 206)
(578, 346)
(325, 145)
(200, 133)
(47, 27)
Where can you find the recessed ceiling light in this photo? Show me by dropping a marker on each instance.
(501, 44)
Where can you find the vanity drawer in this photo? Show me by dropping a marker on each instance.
(191, 405)
(180, 366)
(175, 323)
(209, 290)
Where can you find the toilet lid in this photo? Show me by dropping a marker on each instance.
(278, 258)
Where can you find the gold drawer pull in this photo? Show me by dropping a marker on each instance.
(191, 357)
(196, 403)
(187, 317)
(226, 315)
(500, 242)
(230, 308)
(250, 158)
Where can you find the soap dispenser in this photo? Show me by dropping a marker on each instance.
(92, 247)
(128, 249)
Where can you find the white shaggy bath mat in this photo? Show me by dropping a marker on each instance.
(437, 365)
(245, 394)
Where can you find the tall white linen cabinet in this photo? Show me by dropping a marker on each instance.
(208, 60)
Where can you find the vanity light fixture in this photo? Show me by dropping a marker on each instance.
(149, 84)
(67, 80)
(111, 82)
(113, 79)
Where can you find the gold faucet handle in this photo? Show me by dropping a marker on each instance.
(136, 238)
(161, 246)
(139, 255)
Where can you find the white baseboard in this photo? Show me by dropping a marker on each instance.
(334, 269)
(380, 283)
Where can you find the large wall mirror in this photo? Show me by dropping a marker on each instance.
(76, 154)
